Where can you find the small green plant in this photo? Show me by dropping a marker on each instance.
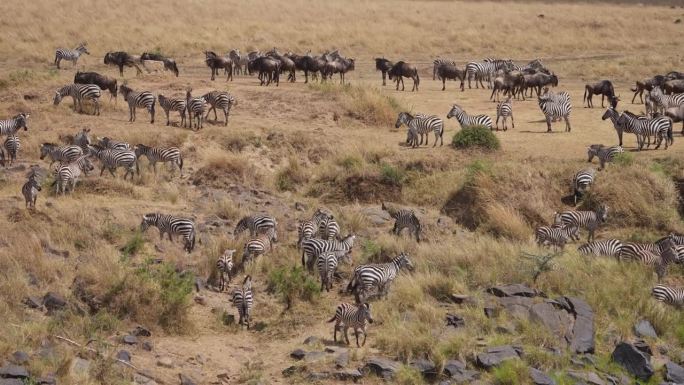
(133, 246)
(511, 373)
(293, 283)
(291, 176)
(540, 264)
(251, 373)
(476, 136)
(175, 294)
(409, 376)
(477, 167)
(679, 332)
(351, 163)
(392, 175)
(624, 159)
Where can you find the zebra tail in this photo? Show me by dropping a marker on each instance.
(180, 160)
(333, 318)
(417, 78)
(633, 89)
(584, 98)
(352, 284)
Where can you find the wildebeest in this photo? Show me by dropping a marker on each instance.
(268, 69)
(383, 65)
(646, 84)
(401, 69)
(121, 59)
(216, 62)
(104, 82)
(169, 64)
(286, 64)
(338, 65)
(676, 114)
(449, 72)
(306, 64)
(603, 88)
(675, 86)
(675, 75)
(511, 83)
(538, 80)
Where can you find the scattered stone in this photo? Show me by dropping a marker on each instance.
(348, 375)
(541, 378)
(165, 362)
(453, 366)
(53, 302)
(200, 300)
(342, 360)
(292, 370)
(186, 380)
(79, 366)
(454, 320)
(47, 380)
(426, 367)
(633, 360)
(382, 367)
(123, 355)
(644, 328)
(298, 354)
(33, 302)
(674, 373)
(495, 356)
(11, 381)
(318, 376)
(143, 380)
(456, 371)
(313, 356)
(311, 340)
(140, 331)
(299, 206)
(20, 357)
(588, 377)
(515, 290)
(147, 346)
(129, 339)
(13, 371)
(459, 298)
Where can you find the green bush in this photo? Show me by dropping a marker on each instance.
(291, 176)
(511, 373)
(175, 297)
(134, 245)
(392, 175)
(476, 136)
(293, 283)
(624, 159)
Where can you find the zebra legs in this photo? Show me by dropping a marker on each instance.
(567, 123)
(548, 123)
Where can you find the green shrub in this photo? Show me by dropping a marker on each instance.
(291, 176)
(351, 163)
(624, 159)
(477, 167)
(392, 175)
(513, 372)
(293, 284)
(175, 295)
(476, 136)
(134, 245)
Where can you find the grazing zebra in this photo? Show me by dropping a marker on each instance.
(308, 228)
(243, 300)
(82, 139)
(556, 235)
(608, 248)
(438, 63)
(557, 106)
(614, 116)
(112, 159)
(11, 145)
(591, 220)
(666, 101)
(604, 154)
(313, 247)
(78, 93)
(352, 316)
(377, 276)
(71, 172)
(327, 265)
(11, 126)
(142, 99)
(160, 154)
(30, 191)
(221, 100)
(171, 225)
(423, 124)
(195, 107)
(670, 295)
(62, 154)
(329, 229)
(224, 266)
(259, 245)
(466, 120)
(172, 104)
(504, 110)
(112, 144)
(256, 224)
(660, 128)
(71, 55)
(403, 219)
(581, 182)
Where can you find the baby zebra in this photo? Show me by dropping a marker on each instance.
(670, 295)
(352, 316)
(172, 104)
(78, 93)
(504, 110)
(608, 248)
(11, 145)
(466, 120)
(589, 219)
(112, 159)
(422, 125)
(30, 191)
(195, 107)
(243, 301)
(581, 182)
(171, 225)
(113, 144)
(556, 235)
(71, 172)
(308, 228)
(71, 55)
(377, 276)
(404, 218)
(327, 265)
(556, 106)
(62, 154)
(259, 245)
(221, 100)
(143, 99)
(224, 266)
(312, 248)
(256, 224)
(160, 154)
(11, 126)
(604, 154)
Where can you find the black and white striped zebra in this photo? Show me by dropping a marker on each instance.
(466, 120)
(438, 63)
(160, 154)
(111, 159)
(404, 219)
(172, 104)
(11, 146)
(326, 263)
(676, 238)
(256, 224)
(329, 229)
(11, 126)
(607, 248)
(670, 295)
(79, 93)
(663, 101)
(62, 154)
(504, 110)
(479, 71)
(633, 251)
(259, 245)
(71, 55)
(82, 139)
(590, 220)
(556, 235)
(243, 300)
(308, 228)
(171, 225)
(70, 173)
(313, 247)
(423, 125)
(620, 126)
(219, 100)
(109, 143)
(581, 182)
(224, 267)
(660, 128)
(195, 108)
(30, 191)
(604, 154)
(352, 316)
(377, 276)
(141, 99)
(556, 106)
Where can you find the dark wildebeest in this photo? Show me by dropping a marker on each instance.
(538, 80)
(121, 59)
(674, 75)
(104, 82)
(286, 64)
(216, 62)
(169, 64)
(339, 65)
(450, 72)
(676, 114)
(306, 64)
(401, 69)
(268, 69)
(511, 83)
(383, 65)
(603, 88)
(647, 84)
(674, 86)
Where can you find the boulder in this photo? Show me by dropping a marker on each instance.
(540, 378)
(495, 356)
(458, 374)
(186, 380)
(129, 339)
(582, 340)
(11, 381)
(53, 302)
(298, 354)
(455, 320)
(124, 356)
(558, 321)
(633, 360)
(514, 290)
(13, 371)
(382, 367)
(517, 306)
(20, 357)
(674, 373)
(426, 367)
(348, 375)
(644, 328)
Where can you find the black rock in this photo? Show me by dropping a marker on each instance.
(20, 358)
(382, 367)
(458, 374)
(426, 367)
(311, 340)
(453, 366)
(298, 354)
(123, 355)
(643, 346)
(292, 370)
(674, 373)
(130, 339)
(512, 291)
(633, 360)
(342, 360)
(13, 371)
(147, 345)
(33, 302)
(540, 378)
(53, 302)
(348, 375)
(495, 356)
(455, 320)
(583, 330)
(644, 328)
(140, 331)
(185, 380)
(47, 380)
(11, 381)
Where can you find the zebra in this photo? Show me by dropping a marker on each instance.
(423, 124)
(109, 143)
(403, 218)
(558, 106)
(634, 251)
(256, 224)
(614, 116)
(11, 145)
(221, 100)
(581, 182)
(171, 225)
(352, 316)
(659, 127)
(224, 266)
(62, 154)
(78, 93)
(378, 276)
(604, 154)
(504, 110)
(313, 247)
(608, 248)
(438, 63)
(172, 104)
(307, 229)
(243, 300)
(677, 239)
(11, 126)
(194, 107)
(589, 219)
(71, 172)
(160, 154)
(82, 139)
(259, 245)
(480, 71)
(71, 55)
(670, 295)
(30, 191)
(329, 229)
(112, 159)
(666, 101)
(556, 235)
(327, 265)
(142, 99)
(466, 120)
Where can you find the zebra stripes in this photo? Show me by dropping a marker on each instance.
(619, 125)
(11, 126)
(326, 263)
(607, 248)
(556, 236)
(62, 154)
(312, 248)
(604, 154)
(581, 182)
(256, 224)
(632, 251)
(670, 295)
(11, 145)
(504, 110)
(70, 173)
(591, 220)
(660, 128)
(112, 159)
(82, 139)
(160, 154)
(171, 225)
(142, 99)
(224, 266)
(556, 106)
(172, 104)
(377, 276)
(71, 55)
(466, 120)
(403, 219)
(112, 144)
(329, 229)
(243, 300)
(666, 101)
(307, 229)
(484, 70)
(79, 93)
(259, 245)
(195, 107)
(219, 100)
(30, 191)
(352, 316)
(422, 125)
(438, 63)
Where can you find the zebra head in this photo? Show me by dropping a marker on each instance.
(602, 212)
(455, 111)
(364, 312)
(22, 120)
(593, 151)
(45, 149)
(611, 113)
(83, 49)
(58, 97)
(147, 221)
(85, 164)
(403, 118)
(403, 260)
(140, 149)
